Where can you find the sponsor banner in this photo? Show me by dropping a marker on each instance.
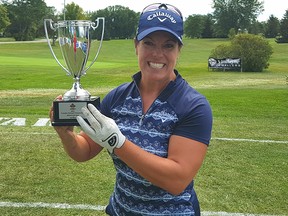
(225, 63)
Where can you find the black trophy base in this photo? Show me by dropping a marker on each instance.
(65, 112)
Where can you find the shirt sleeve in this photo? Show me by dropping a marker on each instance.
(196, 124)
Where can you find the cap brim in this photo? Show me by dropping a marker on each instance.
(146, 32)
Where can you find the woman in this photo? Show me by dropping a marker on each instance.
(156, 128)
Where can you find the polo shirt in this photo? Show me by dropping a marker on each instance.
(178, 110)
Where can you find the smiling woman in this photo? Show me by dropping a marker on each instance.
(157, 146)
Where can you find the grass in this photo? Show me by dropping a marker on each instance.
(237, 176)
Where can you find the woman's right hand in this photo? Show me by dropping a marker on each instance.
(59, 129)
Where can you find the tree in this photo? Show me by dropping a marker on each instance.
(193, 26)
(283, 36)
(284, 25)
(25, 16)
(199, 26)
(120, 22)
(208, 30)
(51, 13)
(4, 19)
(73, 12)
(257, 28)
(272, 27)
(237, 14)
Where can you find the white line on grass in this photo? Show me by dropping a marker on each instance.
(231, 214)
(216, 138)
(52, 205)
(252, 140)
(29, 133)
(101, 208)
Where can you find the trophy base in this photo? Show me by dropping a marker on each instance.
(65, 112)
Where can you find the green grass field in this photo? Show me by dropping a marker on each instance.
(246, 168)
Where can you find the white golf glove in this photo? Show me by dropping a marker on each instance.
(102, 130)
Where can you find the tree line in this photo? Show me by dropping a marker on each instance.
(23, 20)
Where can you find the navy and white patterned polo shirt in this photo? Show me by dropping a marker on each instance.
(179, 110)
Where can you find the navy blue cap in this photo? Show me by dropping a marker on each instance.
(160, 20)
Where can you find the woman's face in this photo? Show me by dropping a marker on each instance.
(157, 55)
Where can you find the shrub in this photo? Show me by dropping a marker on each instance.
(232, 33)
(254, 51)
(222, 51)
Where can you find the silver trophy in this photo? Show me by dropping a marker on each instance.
(75, 43)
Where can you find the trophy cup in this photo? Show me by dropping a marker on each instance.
(75, 43)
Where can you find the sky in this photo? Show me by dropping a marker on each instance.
(187, 7)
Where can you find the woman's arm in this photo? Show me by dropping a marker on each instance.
(174, 173)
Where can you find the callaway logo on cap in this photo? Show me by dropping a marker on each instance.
(161, 16)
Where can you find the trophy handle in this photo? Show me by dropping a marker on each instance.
(49, 44)
(100, 45)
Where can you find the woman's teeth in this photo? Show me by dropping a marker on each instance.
(156, 65)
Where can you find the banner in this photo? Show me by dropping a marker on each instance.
(225, 63)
